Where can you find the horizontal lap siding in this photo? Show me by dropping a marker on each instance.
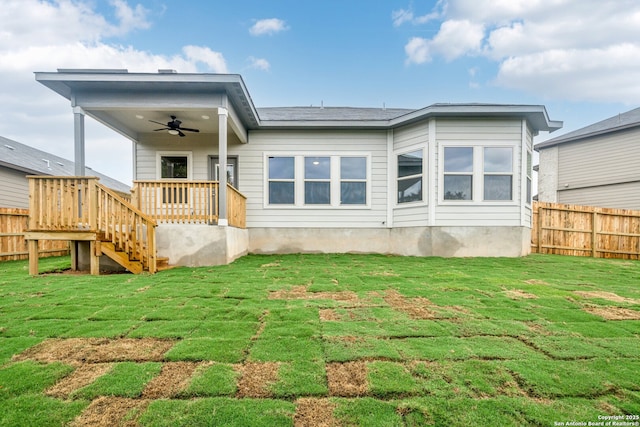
(251, 169)
(609, 159)
(485, 132)
(14, 189)
(623, 196)
(409, 138)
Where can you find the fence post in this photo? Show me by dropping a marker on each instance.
(594, 234)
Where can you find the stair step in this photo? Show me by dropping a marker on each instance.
(162, 263)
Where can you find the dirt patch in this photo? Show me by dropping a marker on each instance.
(518, 294)
(174, 378)
(111, 411)
(314, 412)
(255, 378)
(347, 379)
(300, 292)
(609, 296)
(329, 315)
(271, 264)
(97, 350)
(416, 308)
(83, 376)
(614, 313)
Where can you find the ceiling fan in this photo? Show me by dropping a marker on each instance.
(174, 127)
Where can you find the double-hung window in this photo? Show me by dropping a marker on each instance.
(458, 173)
(281, 180)
(498, 173)
(353, 180)
(318, 180)
(410, 176)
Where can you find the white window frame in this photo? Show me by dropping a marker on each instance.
(477, 176)
(511, 173)
(424, 174)
(299, 180)
(187, 154)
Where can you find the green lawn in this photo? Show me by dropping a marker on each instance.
(336, 339)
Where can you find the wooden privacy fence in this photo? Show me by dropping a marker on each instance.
(13, 225)
(585, 231)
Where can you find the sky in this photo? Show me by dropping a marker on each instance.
(579, 58)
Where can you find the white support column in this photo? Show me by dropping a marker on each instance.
(78, 138)
(222, 161)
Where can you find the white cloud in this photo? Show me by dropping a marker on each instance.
(268, 27)
(44, 35)
(578, 49)
(402, 16)
(259, 63)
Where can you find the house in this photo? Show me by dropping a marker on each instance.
(596, 165)
(17, 161)
(445, 180)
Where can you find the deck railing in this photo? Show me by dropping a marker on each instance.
(127, 228)
(81, 204)
(62, 203)
(187, 202)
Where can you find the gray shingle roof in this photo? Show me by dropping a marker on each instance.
(330, 113)
(618, 122)
(32, 161)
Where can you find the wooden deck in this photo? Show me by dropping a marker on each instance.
(80, 209)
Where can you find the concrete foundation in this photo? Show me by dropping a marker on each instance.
(200, 245)
(414, 241)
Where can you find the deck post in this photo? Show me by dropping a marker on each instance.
(94, 259)
(222, 171)
(33, 257)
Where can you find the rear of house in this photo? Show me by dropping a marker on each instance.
(445, 180)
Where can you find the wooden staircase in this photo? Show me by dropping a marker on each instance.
(81, 209)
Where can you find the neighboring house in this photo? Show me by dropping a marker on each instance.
(597, 165)
(17, 161)
(445, 180)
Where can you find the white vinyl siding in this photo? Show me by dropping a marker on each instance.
(405, 140)
(14, 189)
(621, 196)
(479, 133)
(334, 144)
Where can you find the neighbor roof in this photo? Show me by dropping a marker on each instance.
(29, 160)
(619, 122)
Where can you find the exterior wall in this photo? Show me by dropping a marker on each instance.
(622, 196)
(414, 241)
(487, 133)
(14, 189)
(252, 158)
(601, 171)
(548, 175)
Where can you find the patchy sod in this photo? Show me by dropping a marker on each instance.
(323, 340)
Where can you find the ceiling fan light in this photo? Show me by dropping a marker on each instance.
(173, 132)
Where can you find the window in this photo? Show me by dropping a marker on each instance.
(173, 167)
(458, 173)
(498, 173)
(410, 177)
(281, 180)
(353, 180)
(317, 180)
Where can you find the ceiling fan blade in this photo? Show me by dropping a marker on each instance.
(155, 130)
(190, 130)
(181, 134)
(153, 121)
